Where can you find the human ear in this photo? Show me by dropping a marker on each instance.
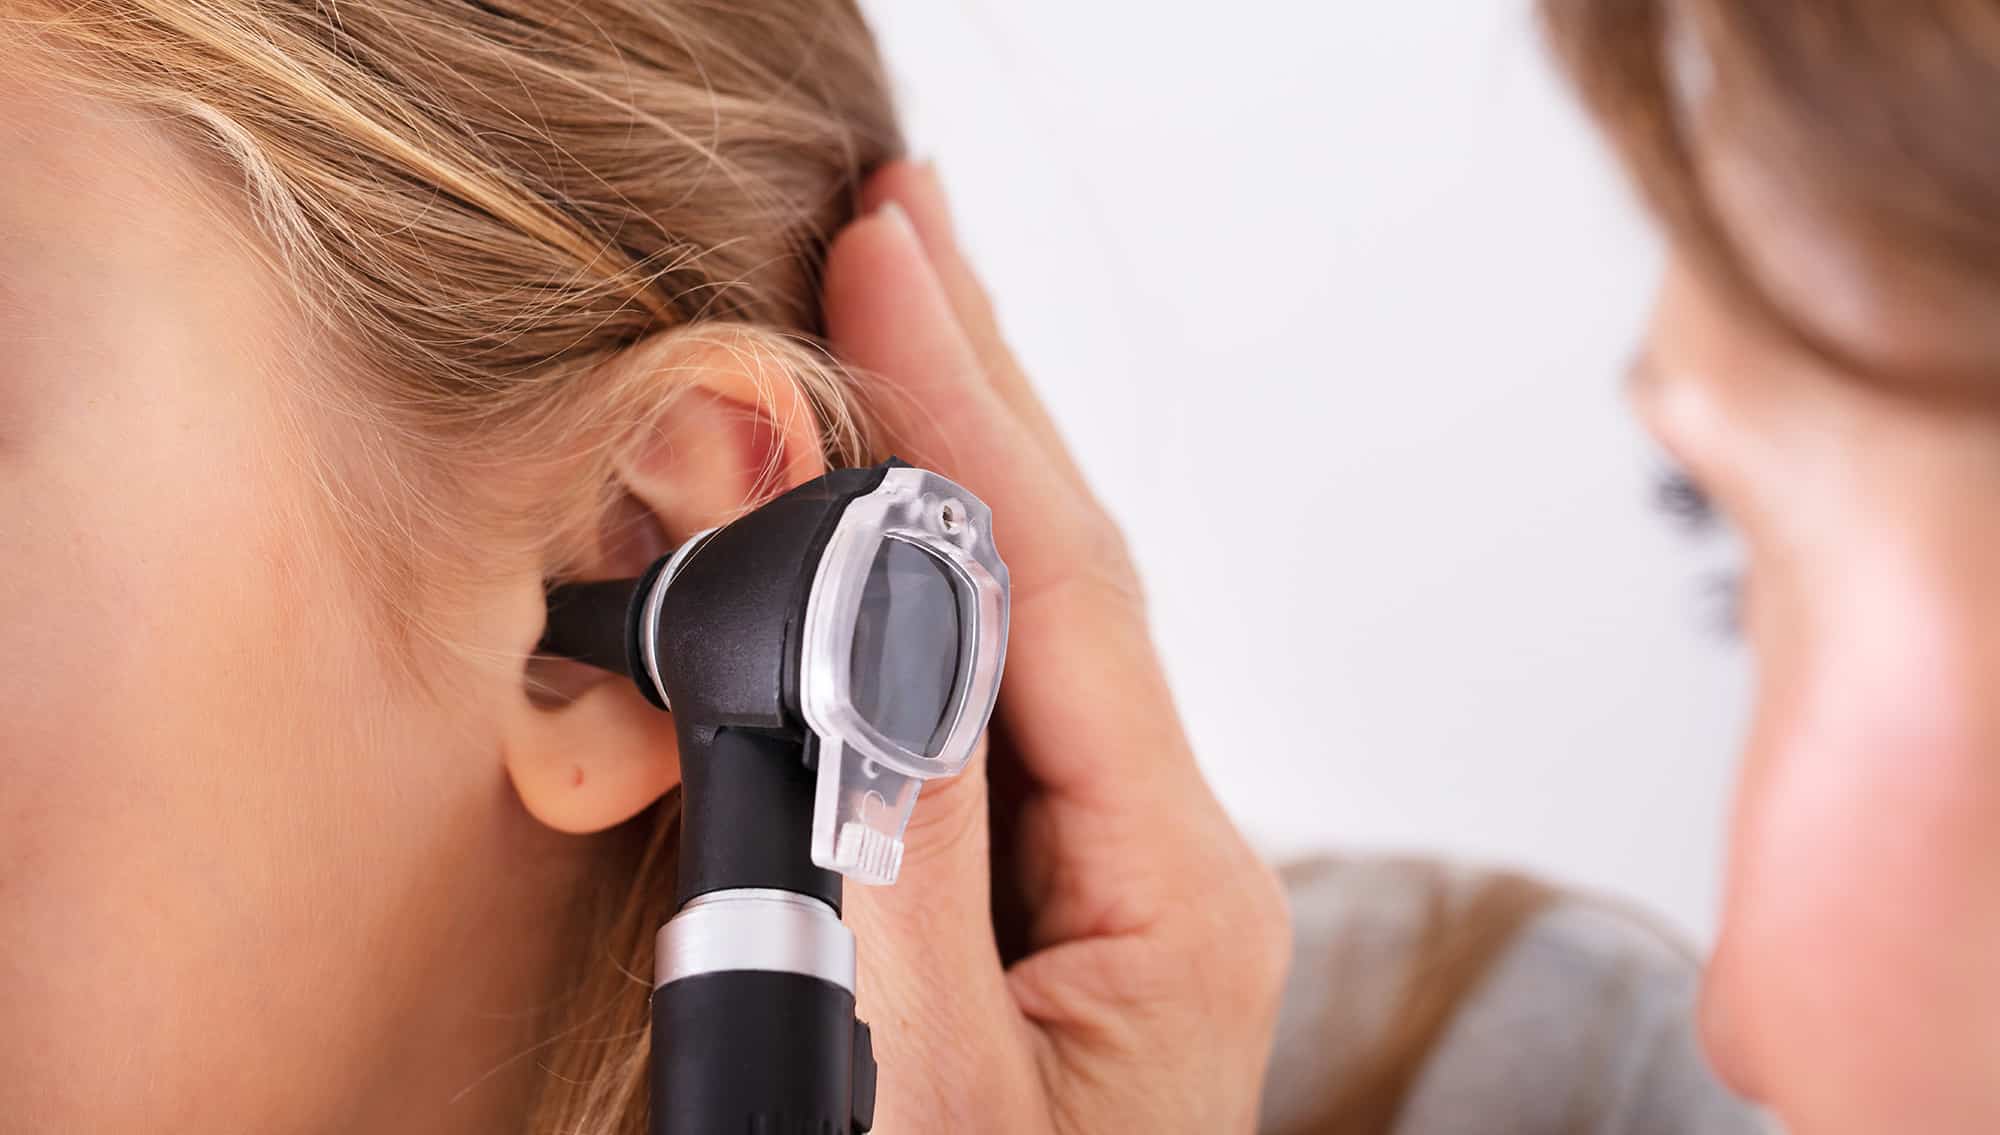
(736, 430)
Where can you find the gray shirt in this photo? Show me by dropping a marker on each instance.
(1583, 1025)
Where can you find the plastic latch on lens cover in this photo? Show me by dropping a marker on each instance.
(859, 812)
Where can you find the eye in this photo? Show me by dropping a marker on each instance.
(1687, 504)
(1719, 574)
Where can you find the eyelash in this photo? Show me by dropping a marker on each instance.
(1693, 512)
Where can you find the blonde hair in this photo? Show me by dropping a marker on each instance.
(476, 205)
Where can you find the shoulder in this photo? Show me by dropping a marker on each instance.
(1580, 1018)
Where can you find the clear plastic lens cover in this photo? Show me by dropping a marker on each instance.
(905, 637)
(904, 665)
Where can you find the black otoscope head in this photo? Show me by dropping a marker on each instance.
(860, 617)
(823, 655)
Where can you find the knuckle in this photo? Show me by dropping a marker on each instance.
(1113, 555)
(1251, 935)
(950, 813)
(1110, 542)
(1098, 574)
(1271, 925)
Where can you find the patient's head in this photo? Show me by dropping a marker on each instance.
(329, 335)
(1825, 363)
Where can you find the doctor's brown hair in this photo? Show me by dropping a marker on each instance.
(1875, 121)
(1458, 943)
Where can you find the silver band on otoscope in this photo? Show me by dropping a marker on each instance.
(753, 928)
(649, 627)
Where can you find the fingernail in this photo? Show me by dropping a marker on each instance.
(895, 214)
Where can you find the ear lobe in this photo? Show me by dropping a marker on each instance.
(594, 762)
(737, 431)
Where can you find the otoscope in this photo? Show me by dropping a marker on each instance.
(823, 656)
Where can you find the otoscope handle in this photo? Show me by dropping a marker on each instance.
(747, 815)
(760, 1051)
(753, 986)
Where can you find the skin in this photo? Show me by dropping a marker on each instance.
(1853, 984)
(229, 901)
(1146, 958)
(251, 880)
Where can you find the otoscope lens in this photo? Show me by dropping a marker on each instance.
(904, 668)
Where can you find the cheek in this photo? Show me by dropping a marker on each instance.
(225, 828)
(185, 781)
(132, 591)
(1853, 978)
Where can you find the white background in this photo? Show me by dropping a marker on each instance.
(1332, 300)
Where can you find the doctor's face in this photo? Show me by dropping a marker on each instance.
(1855, 986)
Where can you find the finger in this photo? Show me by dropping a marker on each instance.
(930, 982)
(915, 186)
(887, 313)
(1084, 700)
(1119, 803)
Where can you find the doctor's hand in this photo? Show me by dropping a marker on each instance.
(1080, 940)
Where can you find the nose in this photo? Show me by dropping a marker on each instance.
(1721, 1041)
